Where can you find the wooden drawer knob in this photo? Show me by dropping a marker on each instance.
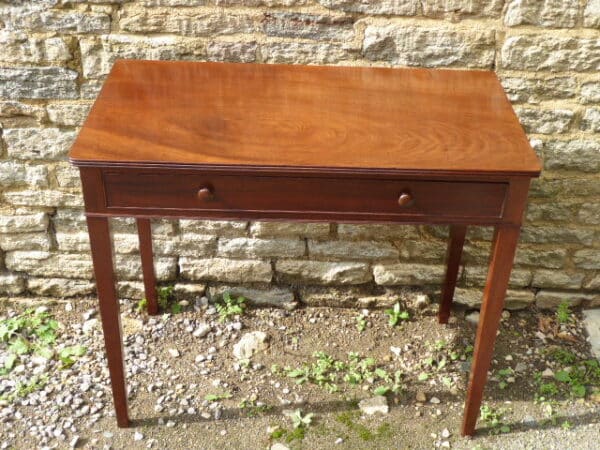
(205, 194)
(405, 199)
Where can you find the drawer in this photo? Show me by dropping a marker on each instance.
(310, 197)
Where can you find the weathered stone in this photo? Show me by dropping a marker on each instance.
(589, 214)
(232, 51)
(46, 264)
(587, 258)
(67, 176)
(250, 344)
(457, 8)
(39, 82)
(188, 244)
(546, 13)
(378, 231)
(591, 120)
(26, 223)
(260, 248)
(11, 284)
(557, 234)
(269, 296)
(545, 121)
(407, 274)
(423, 250)
(318, 272)
(352, 250)
(19, 110)
(303, 52)
(374, 405)
(38, 143)
(554, 279)
(185, 291)
(129, 267)
(131, 289)
(553, 53)
(515, 300)
(573, 185)
(347, 296)
(20, 48)
(268, 3)
(24, 241)
(388, 7)
(48, 198)
(225, 270)
(593, 284)
(74, 242)
(591, 14)
(591, 318)
(579, 155)
(68, 114)
(308, 26)
(477, 276)
(534, 90)
(185, 21)
(559, 211)
(64, 21)
(99, 53)
(216, 227)
(14, 174)
(590, 92)
(428, 47)
(285, 229)
(60, 287)
(551, 299)
(550, 259)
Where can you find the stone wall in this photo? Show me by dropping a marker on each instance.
(54, 55)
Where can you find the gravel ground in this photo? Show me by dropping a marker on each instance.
(174, 361)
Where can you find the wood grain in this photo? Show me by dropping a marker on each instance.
(158, 112)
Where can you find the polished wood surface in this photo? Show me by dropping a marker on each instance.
(243, 196)
(106, 288)
(230, 141)
(453, 255)
(192, 113)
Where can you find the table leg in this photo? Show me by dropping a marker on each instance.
(145, 236)
(101, 246)
(503, 252)
(455, 248)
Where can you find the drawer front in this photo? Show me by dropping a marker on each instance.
(315, 196)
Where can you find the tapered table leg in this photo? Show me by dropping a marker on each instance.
(503, 252)
(101, 246)
(455, 248)
(145, 236)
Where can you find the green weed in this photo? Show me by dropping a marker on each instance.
(230, 307)
(396, 314)
(494, 419)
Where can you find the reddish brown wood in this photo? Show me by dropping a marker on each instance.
(454, 253)
(230, 141)
(145, 237)
(101, 247)
(405, 199)
(503, 252)
(347, 197)
(161, 112)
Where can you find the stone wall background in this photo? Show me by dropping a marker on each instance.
(54, 55)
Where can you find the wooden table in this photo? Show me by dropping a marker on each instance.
(304, 143)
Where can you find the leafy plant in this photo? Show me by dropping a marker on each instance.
(503, 374)
(230, 306)
(493, 418)
(329, 372)
(24, 389)
(218, 396)
(68, 355)
(563, 313)
(31, 331)
(165, 300)
(301, 421)
(361, 323)
(252, 407)
(396, 314)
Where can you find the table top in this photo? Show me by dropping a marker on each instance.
(160, 113)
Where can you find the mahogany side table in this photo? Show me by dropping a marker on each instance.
(304, 143)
